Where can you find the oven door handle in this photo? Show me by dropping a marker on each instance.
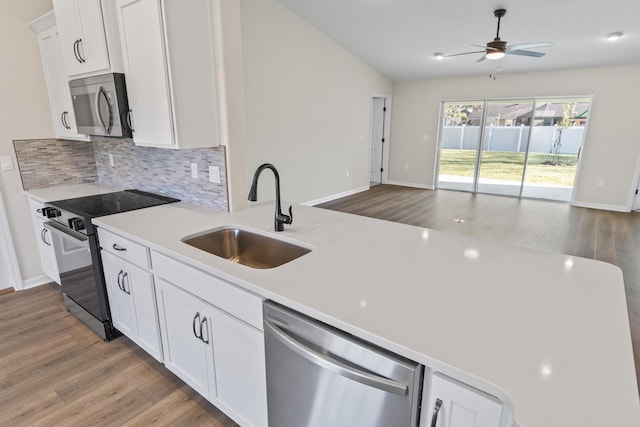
(54, 227)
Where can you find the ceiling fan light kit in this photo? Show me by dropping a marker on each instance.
(497, 48)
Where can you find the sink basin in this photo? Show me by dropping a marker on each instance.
(246, 247)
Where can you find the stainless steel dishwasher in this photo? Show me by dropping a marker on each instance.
(318, 376)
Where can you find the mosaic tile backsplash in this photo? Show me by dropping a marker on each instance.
(163, 171)
(53, 162)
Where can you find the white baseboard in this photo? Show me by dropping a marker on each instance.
(614, 208)
(36, 281)
(410, 184)
(335, 196)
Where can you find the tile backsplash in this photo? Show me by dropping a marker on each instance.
(163, 171)
(51, 162)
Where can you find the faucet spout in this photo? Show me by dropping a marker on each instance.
(280, 218)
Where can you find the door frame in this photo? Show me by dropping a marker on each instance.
(7, 250)
(635, 185)
(386, 134)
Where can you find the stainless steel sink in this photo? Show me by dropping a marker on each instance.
(246, 247)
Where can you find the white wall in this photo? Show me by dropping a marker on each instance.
(611, 147)
(308, 105)
(24, 113)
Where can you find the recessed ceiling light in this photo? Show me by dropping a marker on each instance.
(614, 36)
(439, 56)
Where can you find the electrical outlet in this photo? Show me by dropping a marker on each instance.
(7, 163)
(194, 170)
(406, 167)
(111, 162)
(601, 183)
(214, 174)
(347, 174)
(425, 137)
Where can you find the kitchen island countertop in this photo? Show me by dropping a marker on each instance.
(546, 333)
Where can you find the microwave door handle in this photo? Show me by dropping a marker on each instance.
(100, 92)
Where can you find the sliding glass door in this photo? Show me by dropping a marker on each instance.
(504, 147)
(512, 147)
(460, 136)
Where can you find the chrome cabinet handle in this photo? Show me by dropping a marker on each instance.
(118, 248)
(436, 411)
(100, 92)
(196, 318)
(336, 366)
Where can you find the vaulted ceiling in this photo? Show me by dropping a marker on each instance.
(400, 37)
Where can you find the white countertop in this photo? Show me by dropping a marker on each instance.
(69, 191)
(546, 333)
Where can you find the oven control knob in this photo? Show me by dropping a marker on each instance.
(50, 212)
(76, 223)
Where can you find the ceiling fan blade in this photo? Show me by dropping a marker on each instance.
(528, 46)
(482, 58)
(463, 53)
(525, 53)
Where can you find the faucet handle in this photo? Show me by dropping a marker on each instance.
(290, 219)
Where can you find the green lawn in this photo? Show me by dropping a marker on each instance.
(508, 166)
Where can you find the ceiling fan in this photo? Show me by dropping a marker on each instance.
(497, 48)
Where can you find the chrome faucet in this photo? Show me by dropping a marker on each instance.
(280, 218)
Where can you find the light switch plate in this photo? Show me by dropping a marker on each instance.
(214, 174)
(194, 170)
(7, 163)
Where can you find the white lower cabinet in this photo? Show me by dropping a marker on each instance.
(185, 337)
(455, 404)
(132, 302)
(239, 368)
(212, 339)
(44, 240)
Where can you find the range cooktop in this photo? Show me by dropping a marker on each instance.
(111, 203)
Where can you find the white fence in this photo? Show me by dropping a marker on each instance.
(513, 138)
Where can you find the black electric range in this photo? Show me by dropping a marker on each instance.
(78, 251)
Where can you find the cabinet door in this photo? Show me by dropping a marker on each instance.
(239, 368)
(132, 302)
(455, 404)
(185, 336)
(143, 49)
(120, 299)
(46, 251)
(84, 42)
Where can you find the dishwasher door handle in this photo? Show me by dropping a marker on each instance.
(336, 366)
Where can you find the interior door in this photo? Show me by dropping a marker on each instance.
(377, 139)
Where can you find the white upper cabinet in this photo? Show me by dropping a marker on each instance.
(87, 30)
(168, 56)
(57, 82)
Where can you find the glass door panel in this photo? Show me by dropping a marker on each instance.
(504, 146)
(460, 135)
(556, 139)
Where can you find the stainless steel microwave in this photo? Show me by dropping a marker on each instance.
(100, 105)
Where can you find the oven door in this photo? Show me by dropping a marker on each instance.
(73, 257)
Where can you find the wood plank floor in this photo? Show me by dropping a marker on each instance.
(608, 236)
(54, 371)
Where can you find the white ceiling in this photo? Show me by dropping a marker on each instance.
(399, 37)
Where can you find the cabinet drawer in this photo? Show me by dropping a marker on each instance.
(126, 249)
(223, 295)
